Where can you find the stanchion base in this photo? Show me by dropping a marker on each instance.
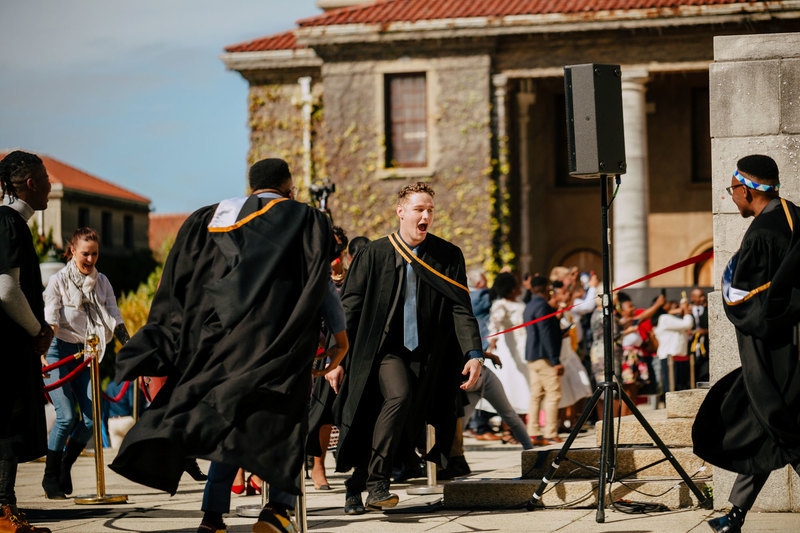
(100, 500)
(426, 489)
(249, 511)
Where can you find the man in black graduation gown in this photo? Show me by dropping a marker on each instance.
(413, 337)
(234, 326)
(750, 420)
(24, 333)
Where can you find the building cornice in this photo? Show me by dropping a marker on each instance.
(655, 18)
(271, 59)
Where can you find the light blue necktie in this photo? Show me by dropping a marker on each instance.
(410, 334)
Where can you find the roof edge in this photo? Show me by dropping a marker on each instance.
(550, 22)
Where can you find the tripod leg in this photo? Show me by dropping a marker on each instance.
(606, 449)
(701, 498)
(536, 499)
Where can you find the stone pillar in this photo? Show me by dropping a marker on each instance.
(754, 90)
(525, 101)
(500, 239)
(630, 208)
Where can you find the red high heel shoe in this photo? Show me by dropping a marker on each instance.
(252, 487)
(237, 489)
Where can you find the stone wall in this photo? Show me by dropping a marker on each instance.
(459, 148)
(754, 88)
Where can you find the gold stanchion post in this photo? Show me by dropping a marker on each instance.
(137, 398)
(101, 498)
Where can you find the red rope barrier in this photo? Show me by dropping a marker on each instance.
(680, 264)
(119, 396)
(69, 377)
(62, 362)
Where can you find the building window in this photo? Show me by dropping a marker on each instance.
(406, 120)
(105, 229)
(701, 136)
(127, 231)
(83, 217)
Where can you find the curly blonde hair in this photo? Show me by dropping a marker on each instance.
(408, 190)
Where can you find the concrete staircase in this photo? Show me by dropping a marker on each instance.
(572, 486)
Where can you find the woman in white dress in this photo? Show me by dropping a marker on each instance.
(506, 313)
(575, 383)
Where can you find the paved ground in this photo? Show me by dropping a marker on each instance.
(149, 510)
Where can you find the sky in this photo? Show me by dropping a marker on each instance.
(134, 92)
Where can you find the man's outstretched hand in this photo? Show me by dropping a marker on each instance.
(473, 368)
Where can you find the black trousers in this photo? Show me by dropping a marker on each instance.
(747, 486)
(396, 385)
(8, 474)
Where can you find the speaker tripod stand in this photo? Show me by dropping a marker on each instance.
(607, 389)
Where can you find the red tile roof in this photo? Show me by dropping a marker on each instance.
(163, 227)
(72, 178)
(281, 41)
(387, 11)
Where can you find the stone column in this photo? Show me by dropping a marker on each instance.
(630, 208)
(525, 101)
(500, 239)
(757, 77)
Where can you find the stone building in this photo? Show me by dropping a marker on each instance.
(79, 199)
(119, 216)
(470, 96)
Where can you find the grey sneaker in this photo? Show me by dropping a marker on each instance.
(380, 498)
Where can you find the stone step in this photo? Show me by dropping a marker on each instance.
(672, 431)
(535, 463)
(506, 493)
(685, 403)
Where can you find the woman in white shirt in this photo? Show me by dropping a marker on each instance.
(79, 301)
(506, 313)
(672, 332)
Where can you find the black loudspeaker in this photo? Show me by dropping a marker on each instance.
(594, 120)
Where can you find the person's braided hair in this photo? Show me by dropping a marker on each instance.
(15, 169)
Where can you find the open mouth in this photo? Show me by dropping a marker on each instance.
(422, 227)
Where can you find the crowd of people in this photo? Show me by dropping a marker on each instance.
(263, 305)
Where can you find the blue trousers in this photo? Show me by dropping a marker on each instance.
(217, 494)
(69, 398)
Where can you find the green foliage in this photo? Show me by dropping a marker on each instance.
(44, 243)
(135, 305)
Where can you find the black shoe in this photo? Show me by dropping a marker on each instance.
(71, 453)
(456, 467)
(725, 524)
(353, 504)
(191, 467)
(52, 472)
(380, 498)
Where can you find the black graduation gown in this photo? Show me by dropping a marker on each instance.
(23, 430)
(447, 330)
(234, 327)
(750, 420)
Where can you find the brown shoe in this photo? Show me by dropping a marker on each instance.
(12, 520)
(489, 436)
(538, 440)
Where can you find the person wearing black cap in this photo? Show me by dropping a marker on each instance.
(234, 326)
(749, 421)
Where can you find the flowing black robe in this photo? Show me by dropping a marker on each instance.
(447, 331)
(23, 428)
(234, 327)
(750, 421)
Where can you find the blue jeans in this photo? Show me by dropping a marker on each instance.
(217, 494)
(65, 398)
